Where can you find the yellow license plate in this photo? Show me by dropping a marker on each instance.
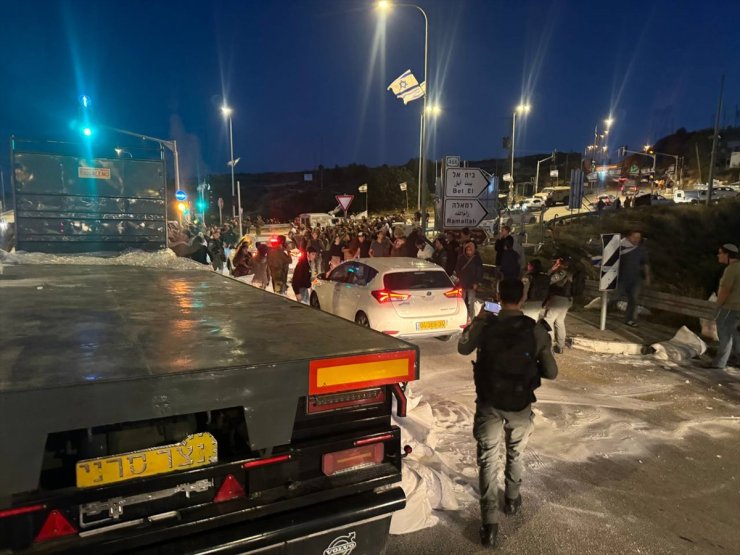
(433, 325)
(194, 451)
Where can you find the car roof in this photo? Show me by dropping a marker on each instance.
(398, 263)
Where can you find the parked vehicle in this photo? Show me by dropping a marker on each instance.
(533, 204)
(648, 199)
(403, 297)
(314, 219)
(517, 216)
(721, 192)
(555, 195)
(608, 199)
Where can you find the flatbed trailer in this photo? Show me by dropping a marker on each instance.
(153, 410)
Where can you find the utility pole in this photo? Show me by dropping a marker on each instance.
(710, 179)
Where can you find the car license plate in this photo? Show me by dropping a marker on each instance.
(194, 451)
(431, 325)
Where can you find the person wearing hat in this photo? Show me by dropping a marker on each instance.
(728, 301)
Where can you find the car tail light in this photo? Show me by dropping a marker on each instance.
(390, 332)
(456, 293)
(385, 296)
(21, 510)
(55, 526)
(265, 462)
(324, 403)
(351, 459)
(230, 489)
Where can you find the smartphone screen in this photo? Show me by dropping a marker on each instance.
(492, 307)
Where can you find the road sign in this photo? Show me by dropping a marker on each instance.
(344, 201)
(362, 188)
(452, 161)
(181, 195)
(403, 186)
(634, 170)
(507, 177)
(464, 212)
(609, 261)
(464, 182)
(220, 202)
(553, 173)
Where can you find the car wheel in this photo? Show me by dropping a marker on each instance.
(565, 200)
(361, 320)
(314, 300)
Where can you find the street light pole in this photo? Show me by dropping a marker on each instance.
(537, 175)
(171, 145)
(227, 112)
(510, 200)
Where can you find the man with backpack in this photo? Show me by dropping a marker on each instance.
(536, 289)
(513, 354)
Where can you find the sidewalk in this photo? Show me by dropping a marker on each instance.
(617, 338)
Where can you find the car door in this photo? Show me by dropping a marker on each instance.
(329, 290)
(356, 293)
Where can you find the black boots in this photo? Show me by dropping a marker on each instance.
(512, 506)
(488, 533)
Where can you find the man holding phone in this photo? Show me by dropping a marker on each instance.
(513, 354)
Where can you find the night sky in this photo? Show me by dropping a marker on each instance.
(307, 78)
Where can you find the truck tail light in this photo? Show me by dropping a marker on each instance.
(456, 293)
(371, 440)
(21, 510)
(55, 526)
(264, 462)
(386, 296)
(230, 489)
(352, 459)
(348, 399)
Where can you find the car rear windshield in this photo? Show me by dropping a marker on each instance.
(417, 280)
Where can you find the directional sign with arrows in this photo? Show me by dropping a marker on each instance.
(463, 212)
(464, 182)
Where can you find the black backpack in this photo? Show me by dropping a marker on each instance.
(578, 285)
(539, 287)
(506, 372)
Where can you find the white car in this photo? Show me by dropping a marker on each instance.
(403, 297)
(533, 204)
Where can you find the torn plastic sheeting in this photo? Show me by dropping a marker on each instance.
(595, 304)
(417, 514)
(683, 346)
(607, 347)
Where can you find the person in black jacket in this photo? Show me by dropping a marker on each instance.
(302, 275)
(439, 256)
(513, 354)
(509, 264)
(469, 273)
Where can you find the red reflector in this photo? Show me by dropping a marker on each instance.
(55, 526)
(456, 293)
(385, 296)
(230, 489)
(21, 510)
(390, 332)
(263, 462)
(376, 439)
(350, 459)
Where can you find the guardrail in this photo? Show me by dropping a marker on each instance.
(687, 306)
(677, 304)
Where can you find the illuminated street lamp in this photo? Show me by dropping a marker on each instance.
(384, 6)
(522, 109)
(227, 111)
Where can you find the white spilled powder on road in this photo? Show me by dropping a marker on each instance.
(165, 259)
(576, 422)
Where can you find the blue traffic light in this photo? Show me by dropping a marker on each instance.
(87, 131)
(201, 205)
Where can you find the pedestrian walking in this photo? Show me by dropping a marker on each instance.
(509, 265)
(513, 355)
(500, 243)
(278, 260)
(728, 308)
(634, 272)
(302, 277)
(469, 273)
(559, 300)
(259, 265)
(536, 289)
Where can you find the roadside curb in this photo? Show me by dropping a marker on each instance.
(607, 347)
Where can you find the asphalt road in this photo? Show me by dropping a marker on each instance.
(628, 456)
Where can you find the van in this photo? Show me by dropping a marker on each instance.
(555, 195)
(319, 218)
